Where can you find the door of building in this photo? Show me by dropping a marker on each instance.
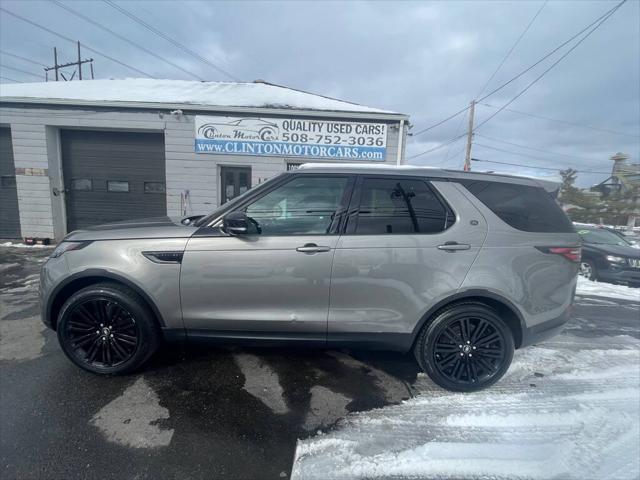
(234, 181)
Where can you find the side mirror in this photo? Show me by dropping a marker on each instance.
(235, 223)
(190, 220)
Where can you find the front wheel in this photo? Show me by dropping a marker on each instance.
(467, 347)
(107, 329)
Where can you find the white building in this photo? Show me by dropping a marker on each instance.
(75, 154)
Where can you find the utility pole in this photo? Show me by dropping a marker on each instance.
(467, 158)
(55, 62)
(78, 63)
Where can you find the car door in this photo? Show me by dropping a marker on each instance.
(405, 248)
(274, 281)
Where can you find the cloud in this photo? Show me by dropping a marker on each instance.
(424, 59)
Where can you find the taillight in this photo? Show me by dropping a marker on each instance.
(572, 254)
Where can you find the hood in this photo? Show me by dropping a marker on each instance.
(619, 250)
(156, 227)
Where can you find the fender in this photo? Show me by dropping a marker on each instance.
(98, 273)
(475, 294)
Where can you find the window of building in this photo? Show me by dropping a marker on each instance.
(81, 184)
(154, 187)
(117, 186)
(303, 206)
(397, 206)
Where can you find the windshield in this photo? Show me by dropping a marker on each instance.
(230, 204)
(602, 237)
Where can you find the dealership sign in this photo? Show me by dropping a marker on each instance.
(291, 138)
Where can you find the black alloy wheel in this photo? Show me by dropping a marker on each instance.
(102, 332)
(107, 329)
(467, 347)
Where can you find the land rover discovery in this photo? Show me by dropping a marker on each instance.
(459, 268)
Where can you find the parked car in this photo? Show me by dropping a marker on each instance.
(608, 256)
(459, 268)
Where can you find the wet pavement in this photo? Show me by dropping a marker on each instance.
(196, 413)
(189, 414)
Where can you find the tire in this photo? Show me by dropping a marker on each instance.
(126, 334)
(588, 270)
(465, 361)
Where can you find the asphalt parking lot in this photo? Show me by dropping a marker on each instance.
(201, 413)
(205, 413)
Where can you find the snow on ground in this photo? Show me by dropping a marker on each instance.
(600, 289)
(23, 245)
(568, 408)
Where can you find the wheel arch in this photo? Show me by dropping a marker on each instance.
(505, 308)
(84, 279)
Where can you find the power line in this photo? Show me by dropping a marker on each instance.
(530, 148)
(42, 27)
(513, 47)
(431, 127)
(10, 79)
(21, 71)
(535, 168)
(523, 155)
(451, 140)
(22, 58)
(123, 38)
(562, 121)
(539, 77)
(513, 79)
(169, 39)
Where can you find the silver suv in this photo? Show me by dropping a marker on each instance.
(460, 268)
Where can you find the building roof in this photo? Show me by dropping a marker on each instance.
(143, 92)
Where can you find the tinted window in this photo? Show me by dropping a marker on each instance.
(390, 206)
(602, 237)
(303, 206)
(523, 207)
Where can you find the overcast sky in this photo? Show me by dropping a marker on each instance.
(425, 59)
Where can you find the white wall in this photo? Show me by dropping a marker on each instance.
(36, 153)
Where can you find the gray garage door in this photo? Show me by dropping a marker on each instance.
(112, 176)
(9, 216)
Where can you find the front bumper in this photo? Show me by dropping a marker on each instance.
(619, 275)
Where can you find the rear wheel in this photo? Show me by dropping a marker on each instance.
(588, 270)
(466, 347)
(107, 329)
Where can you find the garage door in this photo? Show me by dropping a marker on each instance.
(9, 216)
(112, 176)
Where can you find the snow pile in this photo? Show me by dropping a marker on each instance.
(215, 94)
(23, 245)
(608, 290)
(569, 409)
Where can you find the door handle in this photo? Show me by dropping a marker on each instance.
(312, 248)
(454, 246)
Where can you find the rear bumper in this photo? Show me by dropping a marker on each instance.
(545, 330)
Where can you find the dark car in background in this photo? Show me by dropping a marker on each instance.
(608, 256)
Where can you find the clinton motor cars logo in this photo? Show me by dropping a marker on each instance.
(290, 138)
(241, 129)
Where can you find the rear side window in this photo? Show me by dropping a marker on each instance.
(396, 206)
(524, 207)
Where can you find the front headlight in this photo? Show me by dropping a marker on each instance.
(615, 259)
(67, 247)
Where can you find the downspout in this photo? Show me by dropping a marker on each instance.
(400, 142)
